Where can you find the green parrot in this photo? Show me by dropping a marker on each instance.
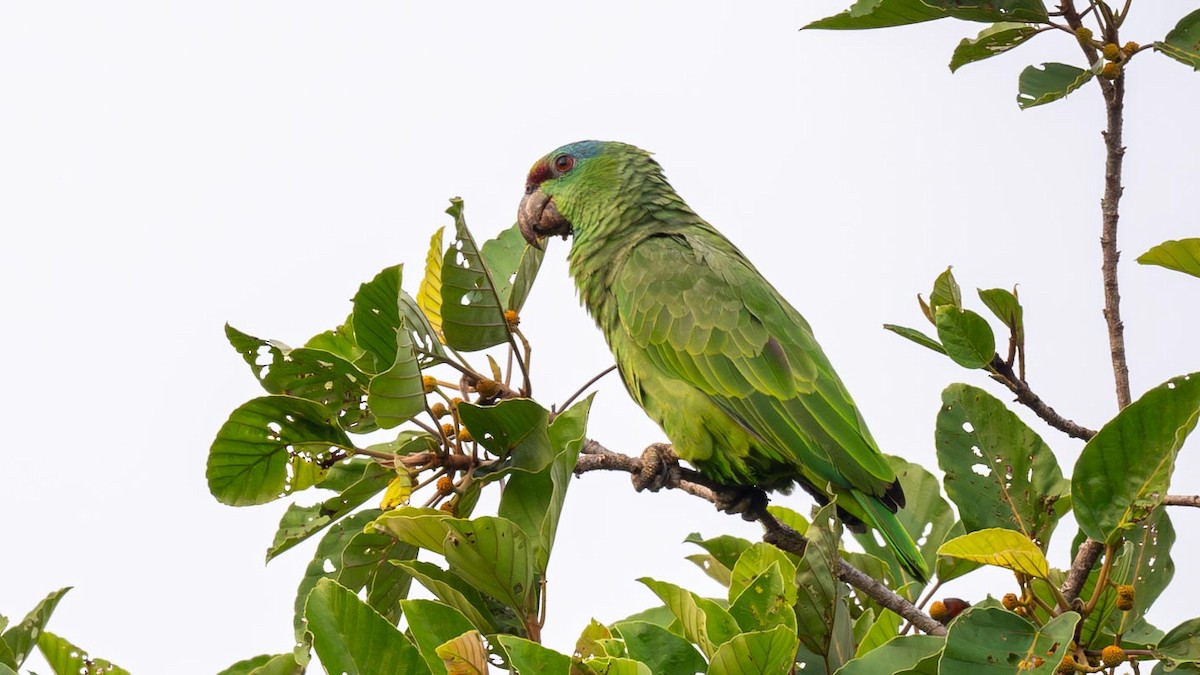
(704, 344)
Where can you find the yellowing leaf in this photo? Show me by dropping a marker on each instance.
(1000, 547)
(398, 491)
(465, 655)
(429, 294)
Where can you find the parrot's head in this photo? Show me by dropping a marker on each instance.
(570, 187)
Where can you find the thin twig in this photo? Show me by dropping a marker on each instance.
(1182, 500)
(1003, 373)
(594, 380)
(595, 457)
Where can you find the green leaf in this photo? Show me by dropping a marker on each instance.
(1148, 568)
(534, 501)
(453, 591)
(882, 630)
(995, 39)
(351, 637)
(1007, 308)
(326, 562)
(987, 641)
(757, 653)
(880, 14)
(1180, 645)
(712, 567)
(472, 314)
(301, 522)
(822, 613)
(993, 10)
(18, 640)
(999, 472)
(916, 336)
(312, 374)
(1049, 83)
(465, 654)
(530, 657)
(426, 341)
(756, 560)
(425, 528)
(766, 600)
(726, 549)
(1183, 42)
(945, 292)
(433, 624)
(513, 264)
(65, 658)
(896, 656)
(495, 556)
(515, 430)
(705, 623)
(999, 547)
(366, 564)
(270, 447)
(1182, 255)
(397, 394)
(966, 336)
(429, 293)
(1125, 469)
(948, 569)
(266, 664)
(611, 665)
(376, 317)
(661, 650)
(339, 342)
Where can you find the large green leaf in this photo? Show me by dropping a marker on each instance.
(1182, 255)
(513, 264)
(822, 612)
(425, 528)
(266, 664)
(770, 652)
(358, 481)
(1005, 305)
(1038, 86)
(433, 624)
(1125, 469)
(397, 394)
(515, 430)
(452, 590)
(270, 447)
(916, 336)
(896, 656)
(994, 641)
(705, 623)
(1180, 645)
(966, 336)
(472, 313)
(495, 556)
(659, 648)
(341, 342)
(766, 601)
(376, 317)
(67, 659)
(611, 665)
(946, 292)
(726, 548)
(465, 654)
(880, 14)
(998, 471)
(948, 569)
(530, 657)
(1183, 42)
(1000, 547)
(426, 340)
(351, 637)
(995, 39)
(1148, 568)
(756, 560)
(312, 374)
(326, 562)
(993, 10)
(534, 500)
(366, 564)
(19, 639)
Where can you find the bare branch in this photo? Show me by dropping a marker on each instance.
(1085, 560)
(1002, 372)
(595, 457)
(1182, 500)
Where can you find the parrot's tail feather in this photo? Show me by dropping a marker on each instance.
(897, 538)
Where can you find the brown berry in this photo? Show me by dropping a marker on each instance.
(1112, 655)
(1130, 47)
(1111, 70)
(1010, 601)
(487, 388)
(1067, 667)
(448, 430)
(445, 485)
(448, 507)
(429, 383)
(1125, 597)
(512, 319)
(438, 409)
(1111, 51)
(1084, 34)
(454, 403)
(464, 435)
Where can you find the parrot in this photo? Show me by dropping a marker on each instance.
(704, 344)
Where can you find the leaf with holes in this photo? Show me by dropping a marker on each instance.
(472, 313)
(493, 555)
(993, 40)
(357, 481)
(397, 394)
(1148, 568)
(916, 336)
(661, 650)
(515, 430)
(1000, 547)
(1180, 645)
(513, 264)
(726, 549)
(310, 374)
(65, 657)
(766, 601)
(756, 560)
(966, 336)
(270, 447)
(1038, 86)
(426, 342)
(429, 293)
(18, 641)
(880, 14)
(994, 641)
(999, 472)
(376, 317)
(351, 637)
(1125, 469)
(993, 10)
(451, 590)
(465, 654)
(326, 562)
(757, 653)
(1183, 42)
(822, 612)
(340, 342)
(1182, 255)
(433, 624)
(705, 623)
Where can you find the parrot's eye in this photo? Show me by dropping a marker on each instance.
(564, 163)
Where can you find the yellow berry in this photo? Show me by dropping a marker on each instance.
(1125, 597)
(448, 430)
(454, 403)
(1111, 70)
(1067, 667)
(938, 611)
(1112, 655)
(429, 383)
(1130, 47)
(1112, 52)
(512, 319)
(438, 410)
(487, 388)
(1010, 601)
(464, 436)
(445, 485)
(1084, 34)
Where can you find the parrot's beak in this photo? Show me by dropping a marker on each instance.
(539, 218)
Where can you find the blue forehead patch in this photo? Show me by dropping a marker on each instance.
(581, 149)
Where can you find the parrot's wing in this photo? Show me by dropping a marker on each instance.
(707, 317)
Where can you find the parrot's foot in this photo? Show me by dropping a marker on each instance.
(747, 501)
(658, 460)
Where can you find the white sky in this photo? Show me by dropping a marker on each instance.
(168, 167)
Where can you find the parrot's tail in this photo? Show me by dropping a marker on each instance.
(901, 543)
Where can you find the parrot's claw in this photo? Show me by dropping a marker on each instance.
(747, 501)
(658, 460)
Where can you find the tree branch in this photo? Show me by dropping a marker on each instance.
(595, 457)
(1182, 500)
(1081, 567)
(1003, 373)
